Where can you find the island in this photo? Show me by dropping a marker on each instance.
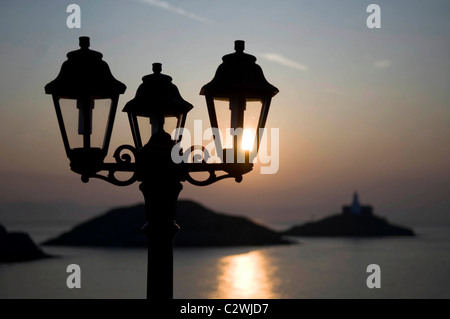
(200, 227)
(18, 246)
(355, 220)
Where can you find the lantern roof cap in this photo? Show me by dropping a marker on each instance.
(156, 96)
(84, 73)
(239, 75)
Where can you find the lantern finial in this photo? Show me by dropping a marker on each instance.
(84, 42)
(239, 46)
(157, 68)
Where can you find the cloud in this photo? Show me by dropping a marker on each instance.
(382, 64)
(282, 60)
(167, 6)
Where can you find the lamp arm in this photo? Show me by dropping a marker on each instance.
(124, 155)
(212, 178)
(123, 164)
(232, 170)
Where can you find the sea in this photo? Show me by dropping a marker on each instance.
(313, 268)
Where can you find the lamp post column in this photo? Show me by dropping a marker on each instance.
(160, 186)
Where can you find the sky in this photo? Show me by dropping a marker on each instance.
(358, 109)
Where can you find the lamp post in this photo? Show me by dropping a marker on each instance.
(85, 84)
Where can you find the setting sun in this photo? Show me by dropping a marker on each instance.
(248, 139)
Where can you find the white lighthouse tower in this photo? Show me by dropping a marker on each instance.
(356, 206)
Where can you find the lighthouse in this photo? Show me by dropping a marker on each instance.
(356, 209)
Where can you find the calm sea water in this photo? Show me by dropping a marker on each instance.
(315, 268)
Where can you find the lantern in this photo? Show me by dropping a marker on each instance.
(85, 95)
(157, 100)
(238, 98)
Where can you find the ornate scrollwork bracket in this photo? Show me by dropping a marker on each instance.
(123, 156)
(232, 170)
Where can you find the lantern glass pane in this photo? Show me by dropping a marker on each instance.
(251, 118)
(250, 127)
(100, 116)
(70, 114)
(75, 120)
(223, 114)
(170, 126)
(145, 128)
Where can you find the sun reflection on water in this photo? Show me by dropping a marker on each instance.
(248, 275)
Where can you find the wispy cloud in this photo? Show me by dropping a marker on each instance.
(382, 64)
(167, 6)
(284, 61)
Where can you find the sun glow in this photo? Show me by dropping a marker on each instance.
(248, 275)
(248, 139)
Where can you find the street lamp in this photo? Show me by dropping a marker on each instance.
(159, 100)
(85, 80)
(85, 83)
(239, 82)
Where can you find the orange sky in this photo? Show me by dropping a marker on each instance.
(358, 109)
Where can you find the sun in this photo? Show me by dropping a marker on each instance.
(248, 139)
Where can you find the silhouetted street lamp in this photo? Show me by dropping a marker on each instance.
(238, 82)
(158, 100)
(85, 84)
